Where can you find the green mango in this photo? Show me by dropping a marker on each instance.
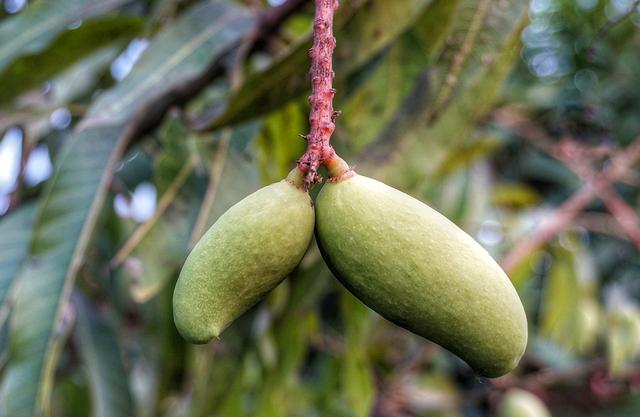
(249, 250)
(419, 270)
(520, 403)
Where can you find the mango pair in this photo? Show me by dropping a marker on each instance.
(399, 256)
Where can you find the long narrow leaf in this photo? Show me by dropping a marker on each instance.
(62, 230)
(68, 211)
(34, 28)
(15, 230)
(176, 55)
(360, 39)
(102, 358)
(455, 124)
(67, 49)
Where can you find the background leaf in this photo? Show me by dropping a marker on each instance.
(180, 53)
(70, 46)
(361, 37)
(15, 230)
(479, 108)
(61, 233)
(102, 358)
(34, 28)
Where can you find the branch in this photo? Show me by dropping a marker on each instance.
(322, 116)
(579, 159)
(567, 212)
(165, 201)
(623, 213)
(215, 174)
(602, 223)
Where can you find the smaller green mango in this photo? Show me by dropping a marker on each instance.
(520, 403)
(419, 270)
(249, 250)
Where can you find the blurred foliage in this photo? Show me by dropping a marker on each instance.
(134, 95)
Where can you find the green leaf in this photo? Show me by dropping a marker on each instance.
(373, 104)
(463, 197)
(159, 255)
(68, 211)
(561, 297)
(467, 154)
(69, 47)
(492, 52)
(102, 359)
(66, 216)
(158, 247)
(32, 30)
(432, 27)
(239, 178)
(428, 32)
(630, 407)
(279, 145)
(443, 132)
(278, 392)
(463, 40)
(623, 339)
(178, 148)
(514, 195)
(177, 55)
(15, 230)
(362, 30)
(293, 329)
(357, 378)
(79, 79)
(4, 343)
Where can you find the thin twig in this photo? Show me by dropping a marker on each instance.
(322, 116)
(165, 201)
(623, 213)
(236, 75)
(567, 212)
(602, 223)
(579, 160)
(215, 173)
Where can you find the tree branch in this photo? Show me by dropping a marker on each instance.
(577, 158)
(322, 115)
(567, 212)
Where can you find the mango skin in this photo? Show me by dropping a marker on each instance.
(520, 403)
(419, 270)
(249, 250)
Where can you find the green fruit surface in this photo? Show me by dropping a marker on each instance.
(419, 270)
(245, 254)
(520, 403)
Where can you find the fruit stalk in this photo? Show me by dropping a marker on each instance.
(322, 116)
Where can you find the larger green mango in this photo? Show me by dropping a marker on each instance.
(245, 254)
(419, 270)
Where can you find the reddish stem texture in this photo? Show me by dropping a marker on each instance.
(322, 116)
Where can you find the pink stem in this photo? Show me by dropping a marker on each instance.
(322, 116)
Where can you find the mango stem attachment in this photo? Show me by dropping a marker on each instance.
(322, 116)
